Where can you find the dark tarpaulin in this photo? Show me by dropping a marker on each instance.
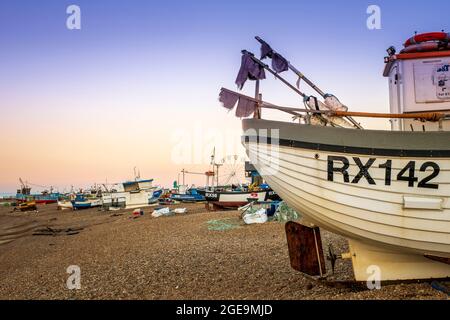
(228, 98)
(279, 63)
(245, 107)
(266, 50)
(249, 70)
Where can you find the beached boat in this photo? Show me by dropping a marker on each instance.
(24, 195)
(191, 195)
(387, 192)
(233, 199)
(155, 196)
(380, 189)
(45, 197)
(131, 194)
(65, 205)
(82, 201)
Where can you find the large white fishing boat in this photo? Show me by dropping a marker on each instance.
(131, 194)
(387, 192)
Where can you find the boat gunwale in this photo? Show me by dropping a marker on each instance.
(383, 142)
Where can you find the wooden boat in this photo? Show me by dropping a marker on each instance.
(191, 195)
(233, 199)
(65, 205)
(131, 195)
(46, 197)
(41, 198)
(387, 192)
(155, 196)
(83, 202)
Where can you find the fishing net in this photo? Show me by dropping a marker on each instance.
(286, 213)
(222, 224)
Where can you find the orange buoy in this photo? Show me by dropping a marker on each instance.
(429, 36)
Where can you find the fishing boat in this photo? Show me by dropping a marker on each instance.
(65, 205)
(46, 197)
(131, 194)
(155, 196)
(230, 199)
(190, 195)
(83, 201)
(387, 192)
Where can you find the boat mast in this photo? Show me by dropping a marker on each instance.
(258, 97)
(215, 167)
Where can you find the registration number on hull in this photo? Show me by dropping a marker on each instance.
(340, 165)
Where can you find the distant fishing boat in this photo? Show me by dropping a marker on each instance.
(191, 195)
(131, 194)
(387, 192)
(155, 196)
(233, 199)
(82, 201)
(46, 197)
(65, 205)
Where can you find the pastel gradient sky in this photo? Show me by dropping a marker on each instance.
(80, 106)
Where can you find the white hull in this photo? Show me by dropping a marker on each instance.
(371, 215)
(234, 199)
(65, 205)
(129, 200)
(241, 197)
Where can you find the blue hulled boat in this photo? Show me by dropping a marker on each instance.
(191, 195)
(83, 202)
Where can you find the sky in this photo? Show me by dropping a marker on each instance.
(137, 85)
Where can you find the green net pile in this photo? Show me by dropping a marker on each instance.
(285, 213)
(222, 224)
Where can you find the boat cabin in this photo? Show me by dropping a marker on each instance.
(419, 82)
(137, 186)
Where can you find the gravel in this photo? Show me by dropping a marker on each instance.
(174, 257)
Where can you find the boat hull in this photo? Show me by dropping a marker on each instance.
(187, 197)
(79, 205)
(324, 174)
(65, 205)
(234, 199)
(130, 199)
